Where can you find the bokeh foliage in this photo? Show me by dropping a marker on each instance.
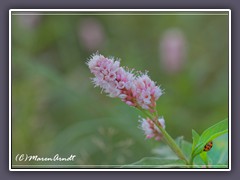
(56, 109)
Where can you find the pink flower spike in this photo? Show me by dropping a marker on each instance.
(140, 92)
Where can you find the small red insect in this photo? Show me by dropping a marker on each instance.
(208, 146)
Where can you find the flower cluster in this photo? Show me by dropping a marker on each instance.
(150, 129)
(138, 91)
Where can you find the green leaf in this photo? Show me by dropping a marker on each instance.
(185, 146)
(219, 152)
(164, 151)
(204, 157)
(210, 134)
(153, 162)
(218, 156)
(195, 137)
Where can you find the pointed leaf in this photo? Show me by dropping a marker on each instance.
(204, 157)
(210, 134)
(195, 137)
(185, 146)
(218, 156)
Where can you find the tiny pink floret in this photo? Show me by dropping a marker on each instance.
(150, 129)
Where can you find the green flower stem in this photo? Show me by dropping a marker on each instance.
(172, 144)
(191, 161)
(169, 140)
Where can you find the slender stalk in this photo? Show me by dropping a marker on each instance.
(172, 144)
(191, 161)
(169, 140)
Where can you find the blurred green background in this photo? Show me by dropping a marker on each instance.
(56, 109)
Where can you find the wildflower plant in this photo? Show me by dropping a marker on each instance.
(139, 91)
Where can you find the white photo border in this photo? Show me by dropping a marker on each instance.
(79, 11)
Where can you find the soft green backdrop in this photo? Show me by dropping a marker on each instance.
(56, 109)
